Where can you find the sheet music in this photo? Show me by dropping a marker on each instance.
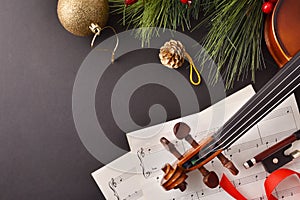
(148, 156)
(148, 140)
(121, 179)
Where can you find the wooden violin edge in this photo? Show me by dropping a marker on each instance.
(282, 28)
(272, 43)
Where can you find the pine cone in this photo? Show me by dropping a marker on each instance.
(172, 54)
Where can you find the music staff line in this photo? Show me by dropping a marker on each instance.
(114, 182)
(121, 178)
(267, 141)
(134, 196)
(279, 194)
(282, 193)
(240, 182)
(258, 176)
(279, 112)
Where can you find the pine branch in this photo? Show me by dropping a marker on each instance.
(147, 16)
(234, 38)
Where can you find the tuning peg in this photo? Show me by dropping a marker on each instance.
(181, 186)
(228, 164)
(171, 147)
(182, 131)
(210, 178)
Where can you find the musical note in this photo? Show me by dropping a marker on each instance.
(250, 179)
(279, 112)
(282, 194)
(134, 196)
(148, 150)
(263, 141)
(190, 196)
(119, 179)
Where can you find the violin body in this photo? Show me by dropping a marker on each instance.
(282, 31)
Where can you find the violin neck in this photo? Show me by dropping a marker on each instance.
(263, 102)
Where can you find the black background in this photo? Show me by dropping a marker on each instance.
(41, 155)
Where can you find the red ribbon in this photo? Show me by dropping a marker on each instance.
(275, 178)
(230, 189)
(270, 183)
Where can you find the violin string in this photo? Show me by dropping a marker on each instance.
(246, 107)
(258, 119)
(229, 140)
(251, 108)
(227, 137)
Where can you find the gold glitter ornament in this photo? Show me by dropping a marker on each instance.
(77, 15)
(84, 17)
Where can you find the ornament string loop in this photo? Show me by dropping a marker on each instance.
(193, 68)
(96, 29)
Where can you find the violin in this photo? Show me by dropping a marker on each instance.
(282, 31)
(283, 41)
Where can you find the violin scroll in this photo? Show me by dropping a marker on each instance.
(174, 178)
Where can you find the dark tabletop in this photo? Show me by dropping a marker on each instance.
(41, 154)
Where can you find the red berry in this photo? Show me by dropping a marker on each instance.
(186, 1)
(130, 2)
(267, 7)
